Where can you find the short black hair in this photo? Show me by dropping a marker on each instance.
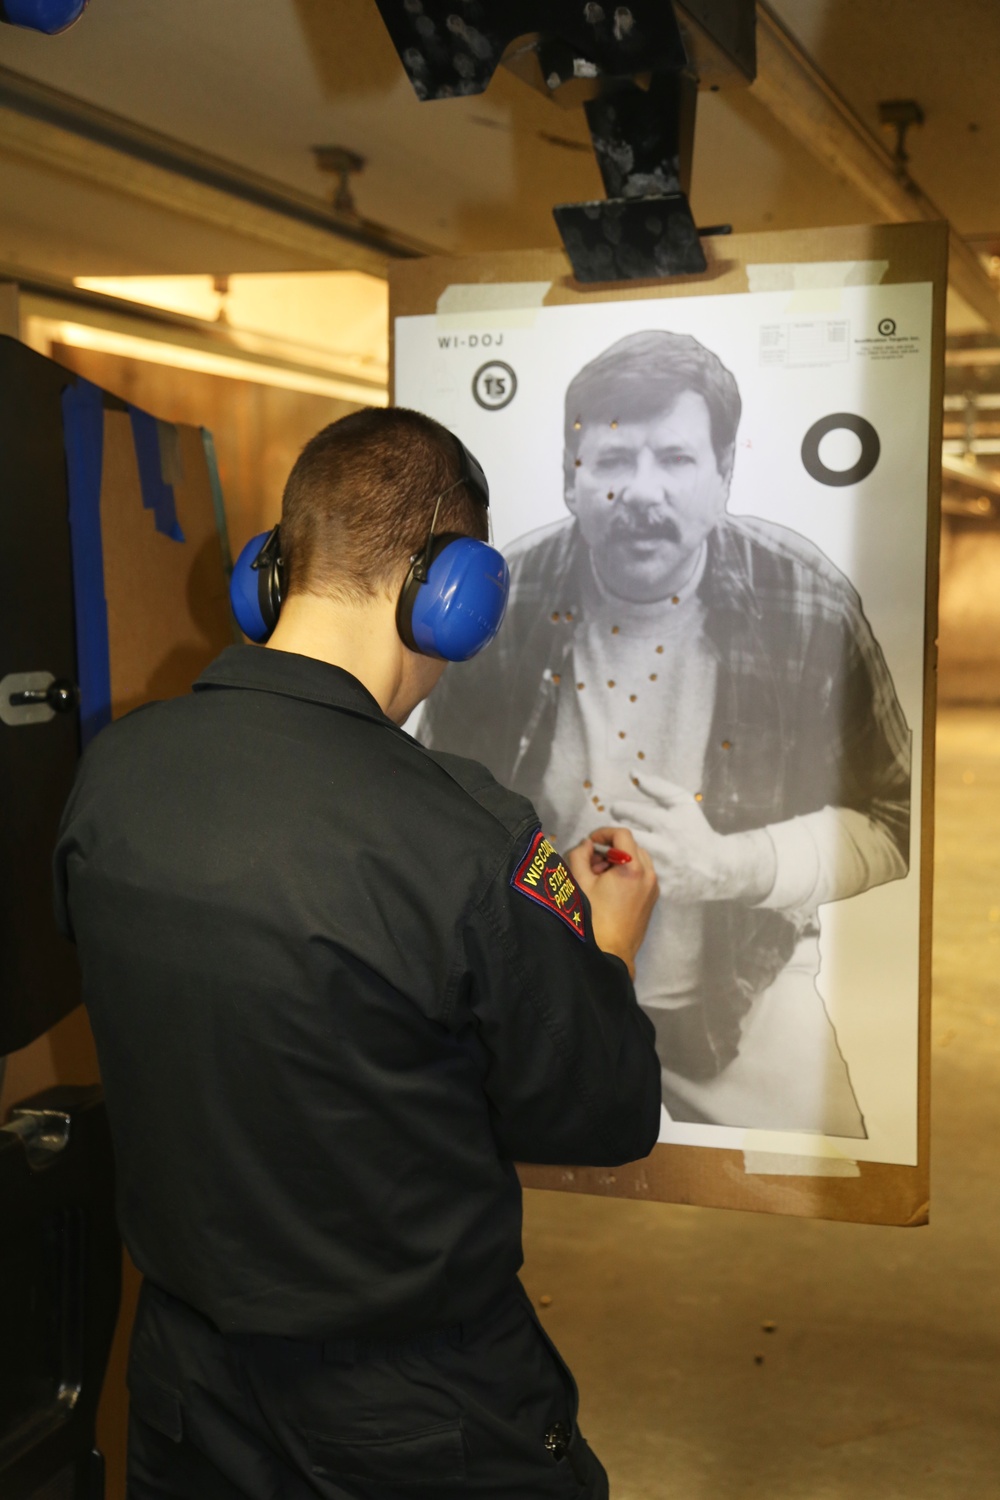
(360, 498)
(645, 373)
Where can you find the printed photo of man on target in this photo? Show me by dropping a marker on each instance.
(711, 681)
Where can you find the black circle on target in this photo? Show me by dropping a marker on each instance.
(862, 429)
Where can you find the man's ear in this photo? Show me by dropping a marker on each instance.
(725, 468)
(569, 483)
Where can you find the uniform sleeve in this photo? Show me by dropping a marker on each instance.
(829, 855)
(570, 1068)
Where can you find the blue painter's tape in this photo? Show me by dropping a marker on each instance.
(83, 431)
(157, 494)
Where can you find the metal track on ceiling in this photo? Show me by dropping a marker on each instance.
(59, 117)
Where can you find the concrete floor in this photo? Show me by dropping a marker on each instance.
(882, 1376)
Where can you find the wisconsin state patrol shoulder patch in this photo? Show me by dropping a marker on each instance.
(542, 875)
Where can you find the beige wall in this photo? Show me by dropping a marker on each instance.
(969, 635)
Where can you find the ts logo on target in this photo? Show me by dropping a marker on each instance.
(494, 385)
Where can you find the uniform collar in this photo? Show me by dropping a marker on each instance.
(293, 676)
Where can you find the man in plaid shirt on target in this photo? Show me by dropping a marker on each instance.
(711, 681)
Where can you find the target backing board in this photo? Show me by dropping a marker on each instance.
(834, 341)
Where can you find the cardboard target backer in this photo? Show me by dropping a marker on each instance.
(719, 498)
(167, 599)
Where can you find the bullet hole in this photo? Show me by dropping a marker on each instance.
(577, 463)
(557, 678)
(545, 1300)
(676, 599)
(632, 697)
(758, 1359)
(727, 745)
(698, 797)
(621, 734)
(555, 616)
(568, 616)
(580, 686)
(769, 1327)
(588, 785)
(600, 807)
(640, 754)
(659, 650)
(611, 682)
(652, 676)
(611, 494)
(614, 426)
(614, 630)
(577, 425)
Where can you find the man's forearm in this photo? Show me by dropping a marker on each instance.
(829, 855)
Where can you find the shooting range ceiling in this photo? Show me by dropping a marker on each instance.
(260, 82)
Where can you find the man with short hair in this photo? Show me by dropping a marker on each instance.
(712, 681)
(338, 985)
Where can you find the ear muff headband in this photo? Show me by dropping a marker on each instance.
(256, 588)
(453, 600)
(472, 474)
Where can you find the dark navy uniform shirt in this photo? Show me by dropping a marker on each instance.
(337, 988)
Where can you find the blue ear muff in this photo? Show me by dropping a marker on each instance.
(255, 589)
(458, 606)
(50, 16)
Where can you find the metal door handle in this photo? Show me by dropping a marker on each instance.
(35, 697)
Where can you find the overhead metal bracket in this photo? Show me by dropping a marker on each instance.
(898, 115)
(636, 70)
(644, 141)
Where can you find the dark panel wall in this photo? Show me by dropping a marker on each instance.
(38, 975)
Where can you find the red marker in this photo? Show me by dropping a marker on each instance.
(617, 857)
